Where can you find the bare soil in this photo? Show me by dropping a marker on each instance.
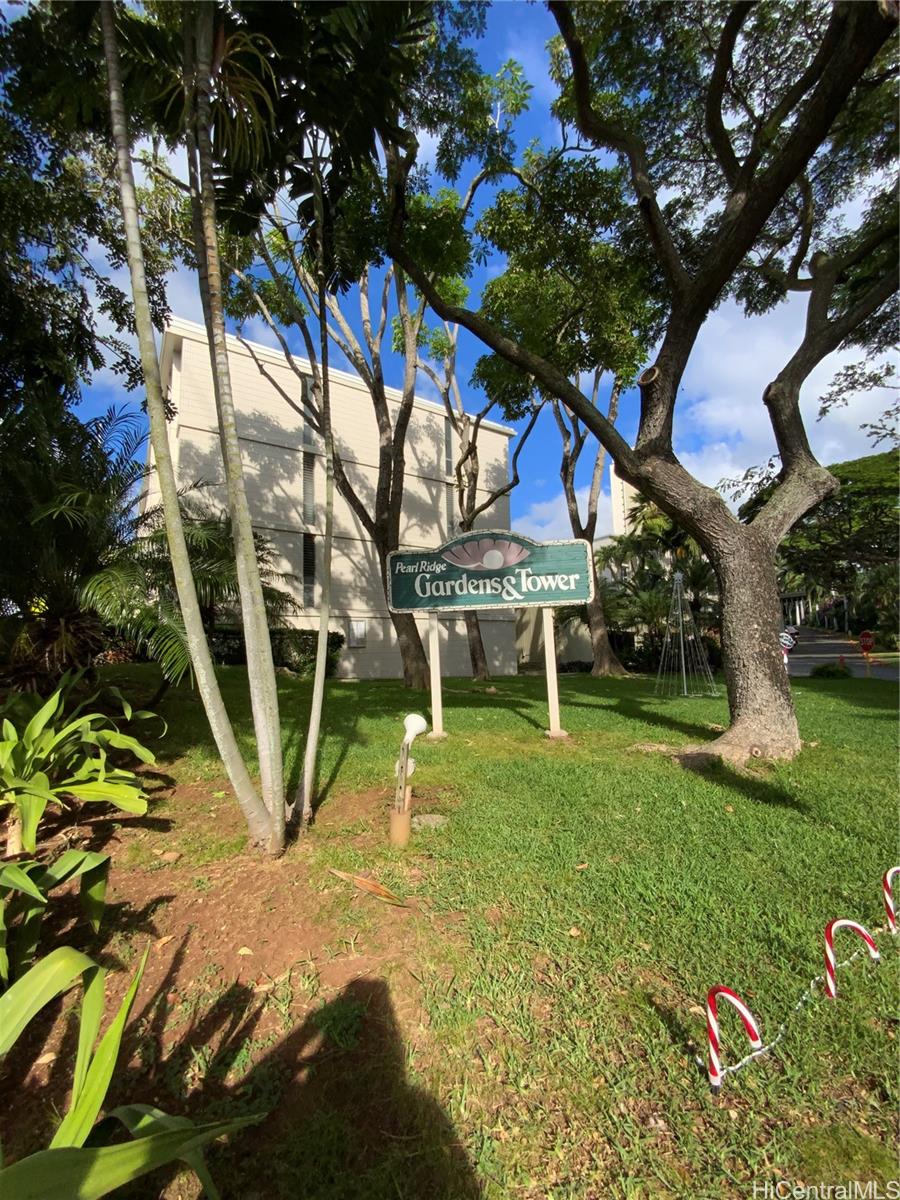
(270, 987)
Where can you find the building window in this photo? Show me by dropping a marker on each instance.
(448, 446)
(309, 488)
(309, 570)
(450, 510)
(356, 636)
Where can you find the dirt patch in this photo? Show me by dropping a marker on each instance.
(270, 986)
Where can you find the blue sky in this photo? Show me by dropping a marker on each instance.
(721, 426)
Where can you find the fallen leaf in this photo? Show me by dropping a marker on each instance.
(218, 795)
(370, 886)
(645, 945)
(245, 950)
(574, 931)
(171, 856)
(729, 808)
(582, 867)
(164, 941)
(697, 1010)
(733, 1113)
(45, 1059)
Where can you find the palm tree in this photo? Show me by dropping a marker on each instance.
(134, 591)
(198, 86)
(255, 811)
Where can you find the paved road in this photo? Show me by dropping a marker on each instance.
(815, 646)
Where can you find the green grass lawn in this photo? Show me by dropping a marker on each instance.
(585, 895)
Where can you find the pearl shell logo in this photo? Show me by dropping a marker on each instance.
(486, 554)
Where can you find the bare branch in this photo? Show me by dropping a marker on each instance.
(514, 478)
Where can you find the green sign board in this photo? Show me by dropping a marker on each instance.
(490, 569)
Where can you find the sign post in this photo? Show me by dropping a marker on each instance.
(555, 731)
(491, 569)
(434, 665)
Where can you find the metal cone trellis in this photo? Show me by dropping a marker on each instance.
(683, 666)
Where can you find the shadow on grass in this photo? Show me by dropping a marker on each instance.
(761, 791)
(679, 1034)
(341, 1119)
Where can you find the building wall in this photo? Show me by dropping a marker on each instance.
(624, 497)
(284, 465)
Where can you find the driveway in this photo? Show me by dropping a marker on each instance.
(816, 646)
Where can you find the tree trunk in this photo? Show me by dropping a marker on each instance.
(260, 665)
(412, 652)
(763, 722)
(476, 647)
(606, 661)
(308, 779)
(251, 806)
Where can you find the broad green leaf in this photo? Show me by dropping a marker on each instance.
(25, 917)
(87, 1173)
(9, 731)
(40, 719)
(31, 808)
(93, 892)
(122, 741)
(28, 995)
(4, 957)
(143, 1119)
(89, 1026)
(69, 865)
(82, 1114)
(127, 798)
(15, 876)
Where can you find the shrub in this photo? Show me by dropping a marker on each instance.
(89, 1172)
(291, 648)
(24, 892)
(831, 671)
(48, 756)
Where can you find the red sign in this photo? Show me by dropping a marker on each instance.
(867, 641)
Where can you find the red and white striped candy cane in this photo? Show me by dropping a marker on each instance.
(887, 886)
(830, 928)
(712, 1029)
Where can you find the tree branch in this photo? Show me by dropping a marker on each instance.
(544, 372)
(715, 125)
(616, 137)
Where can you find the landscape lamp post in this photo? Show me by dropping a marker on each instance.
(413, 725)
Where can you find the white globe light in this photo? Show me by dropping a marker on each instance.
(413, 725)
(493, 559)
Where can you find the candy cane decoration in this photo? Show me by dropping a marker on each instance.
(830, 988)
(887, 886)
(712, 1030)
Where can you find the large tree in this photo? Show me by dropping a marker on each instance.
(762, 121)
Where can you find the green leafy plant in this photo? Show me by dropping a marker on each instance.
(24, 892)
(48, 756)
(77, 1165)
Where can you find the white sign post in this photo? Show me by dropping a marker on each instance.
(555, 731)
(434, 663)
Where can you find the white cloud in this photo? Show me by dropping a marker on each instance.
(733, 361)
(548, 520)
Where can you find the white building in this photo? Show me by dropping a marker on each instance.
(285, 480)
(624, 497)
